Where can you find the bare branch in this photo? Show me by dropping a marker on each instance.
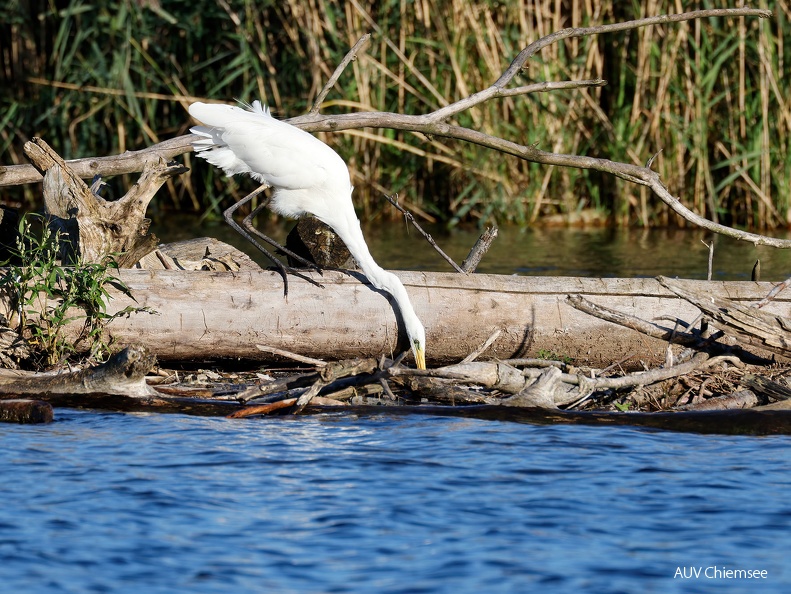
(477, 352)
(494, 91)
(408, 216)
(293, 356)
(773, 293)
(674, 203)
(540, 44)
(350, 56)
(479, 250)
(87, 168)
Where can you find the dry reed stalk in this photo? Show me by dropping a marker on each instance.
(428, 53)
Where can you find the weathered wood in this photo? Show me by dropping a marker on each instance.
(758, 327)
(479, 250)
(201, 253)
(541, 393)
(25, 411)
(317, 242)
(737, 400)
(96, 227)
(710, 344)
(123, 374)
(89, 167)
(766, 387)
(440, 390)
(13, 348)
(491, 375)
(210, 315)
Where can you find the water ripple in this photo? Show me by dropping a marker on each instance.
(165, 503)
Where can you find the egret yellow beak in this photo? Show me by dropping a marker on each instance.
(420, 357)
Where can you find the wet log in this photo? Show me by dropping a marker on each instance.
(205, 315)
(19, 410)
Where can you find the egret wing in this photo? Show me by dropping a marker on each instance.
(252, 141)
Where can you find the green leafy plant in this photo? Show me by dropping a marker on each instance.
(552, 356)
(622, 406)
(46, 296)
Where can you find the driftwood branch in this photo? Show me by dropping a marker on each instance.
(123, 374)
(772, 390)
(736, 400)
(411, 219)
(749, 324)
(479, 250)
(773, 293)
(502, 377)
(96, 227)
(481, 349)
(89, 167)
(693, 340)
(616, 317)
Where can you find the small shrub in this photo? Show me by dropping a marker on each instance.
(46, 296)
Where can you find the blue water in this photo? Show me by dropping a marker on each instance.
(100, 502)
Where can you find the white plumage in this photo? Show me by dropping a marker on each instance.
(307, 176)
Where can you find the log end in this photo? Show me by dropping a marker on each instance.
(25, 411)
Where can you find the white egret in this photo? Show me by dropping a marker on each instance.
(307, 176)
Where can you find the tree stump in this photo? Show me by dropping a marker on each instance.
(94, 226)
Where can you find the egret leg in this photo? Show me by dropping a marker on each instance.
(281, 268)
(247, 223)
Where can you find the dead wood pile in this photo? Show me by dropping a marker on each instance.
(709, 374)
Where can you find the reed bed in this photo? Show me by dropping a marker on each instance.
(96, 79)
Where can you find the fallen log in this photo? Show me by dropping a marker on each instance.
(203, 315)
(123, 374)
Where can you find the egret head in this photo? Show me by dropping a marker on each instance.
(419, 351)
(417, 340)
